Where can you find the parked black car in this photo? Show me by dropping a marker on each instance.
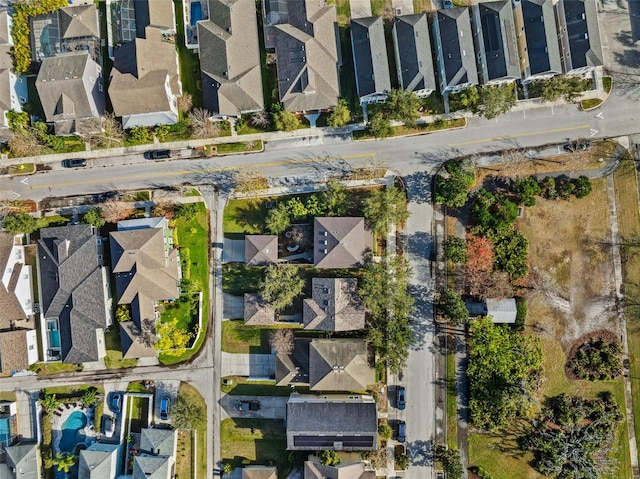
(158, 154)
(402, 431)
(74, 162)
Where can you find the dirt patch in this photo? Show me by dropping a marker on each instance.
(604, 335)
(571, 266)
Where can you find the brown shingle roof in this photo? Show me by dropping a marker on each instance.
(256, 311)
(10, 309)
(260, 250)
(335, 305)
(340, 242)
(78, 21)
(259, 472)
(313, 470)
(339, 365)
(294, 368)
(13, 350)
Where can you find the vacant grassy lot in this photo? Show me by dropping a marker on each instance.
(238, 338)
(245, 216)
(194, 234)
(254, 441)
(238, 279)
(572, 276)
(184, 457)
(626, 185)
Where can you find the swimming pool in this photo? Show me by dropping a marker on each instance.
(196, 13)
(70, 431)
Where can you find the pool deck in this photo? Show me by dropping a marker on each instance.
(57, 421)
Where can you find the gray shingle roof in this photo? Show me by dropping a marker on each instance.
(314, 470)
(78, 21)
(161, 442)
(454, 49)
(579, 27)
(339, 365)
(331, 422)
(541, 34)
(334, 305)
(151, 467)
(257, 311)
(370, 56)
(11, 310)
(340, 242)
(64, 91)
(260, 250)
(495, 38)
(307, 55)
(98, 461)
(294, 368)
(413, 52)
(72, 284)
(24, 458)
(230, 58)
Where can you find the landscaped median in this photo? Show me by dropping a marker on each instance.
(593, 103)
(419, 129)
(234, 148)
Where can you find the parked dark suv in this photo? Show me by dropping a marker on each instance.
(402, 431)
(158, 154)
(400, 397)
(74, 162)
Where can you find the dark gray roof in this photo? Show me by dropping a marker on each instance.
(260, 250)
(332, 422)
(454, 48)
(340, 242)
(294, 368)
(257, 311)
(24, 458)
(160, 442)
(334, 305)
(230, 58)
(370, 56)
(495, 40)
(542, 37)
(580, 17)
(72, 284)
(151, 467)
(303, 34)
(413, 52)
(98, 461)
(339, 365)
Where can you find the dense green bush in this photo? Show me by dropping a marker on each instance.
(521, 313)
(525, 191)
(494, 212)
(597, 359)
(455, 250)
(452, 188)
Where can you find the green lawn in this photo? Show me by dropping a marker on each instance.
(590, 103)
(238, 338)
(416, 130)
(56, 220)
(178, 132)
(607, 83)
(193, 234)
(239, 147)
(452, 412)
(343, 8)
(113, 359)
(241, 387)
(189, 61)
(22, 169)
(245, 216)
(238, 279)
(44, 369)
(138, 413)
(254, 441)
(201, 440)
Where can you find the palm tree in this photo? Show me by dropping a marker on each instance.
(49, 403)
(89, 398)
(64, 462)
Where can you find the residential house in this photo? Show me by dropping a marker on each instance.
(22, 462)
(75, 299)
(13, 88)
(18, 340)
(369, 49)
(326, 365)
(304, 34)
(260, 250)
(412, 48)
(230, 58)
(259, 472)
(495, 42)
(579, 35)
(339, 422)
(158, 14)
(100, 461)
(334, 305)
(145, 83)
(315, 470)
(146, 267)
(454, 52)
(502, 310)
(257, 311)
(71, 92)
(158, 454)
(340, 242)
(537, 39)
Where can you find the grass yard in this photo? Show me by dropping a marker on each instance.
(8, 396)
(254, 441)
(201, 437)
(607, 84)
(239, 147)
(238, 279)
(178, 132)
(55, 220)
(419, 129)
(238, 338)
(378, 7)
(590, 103)
(626, 185)
(184, 455)
(343, 8)
(45, 369)
(421, 6)
(138, 413)
(113, 359)
(452, 410)
(241, 387)
(194, 234)
(188, 60)
(22, 169)
(245, 216)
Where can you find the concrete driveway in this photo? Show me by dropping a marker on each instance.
(249, 365)
(402, 7)
(360, 8)
(233, 251)
(232, 307)
(271, 407)
(164, 388)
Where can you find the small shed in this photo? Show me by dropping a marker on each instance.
(502, 310)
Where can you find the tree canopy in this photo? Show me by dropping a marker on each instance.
(453, 186)
(450, 461)
(22, 223)
(493, 101)
(455, 250)
(340, 115)
(451, 306)
(281, 286)
(93, 218)
(379, 126)
(285, 121)
(278, 219)
(504, 371)
(186, 413)
(172, 340)
(383, 208)
(335, 199)
(402, 105)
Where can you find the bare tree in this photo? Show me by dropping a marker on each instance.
(281, 341)
(185, 102)
(163, 208)
(116, 210)
(374, 167)
(250, 180)
(201, 124)
(108, 134)
(260, 119)
(515, 164)
(26, 144)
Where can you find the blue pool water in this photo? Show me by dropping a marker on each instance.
(54, 339)
(5, 432)
(70, 436)
(196, 13)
